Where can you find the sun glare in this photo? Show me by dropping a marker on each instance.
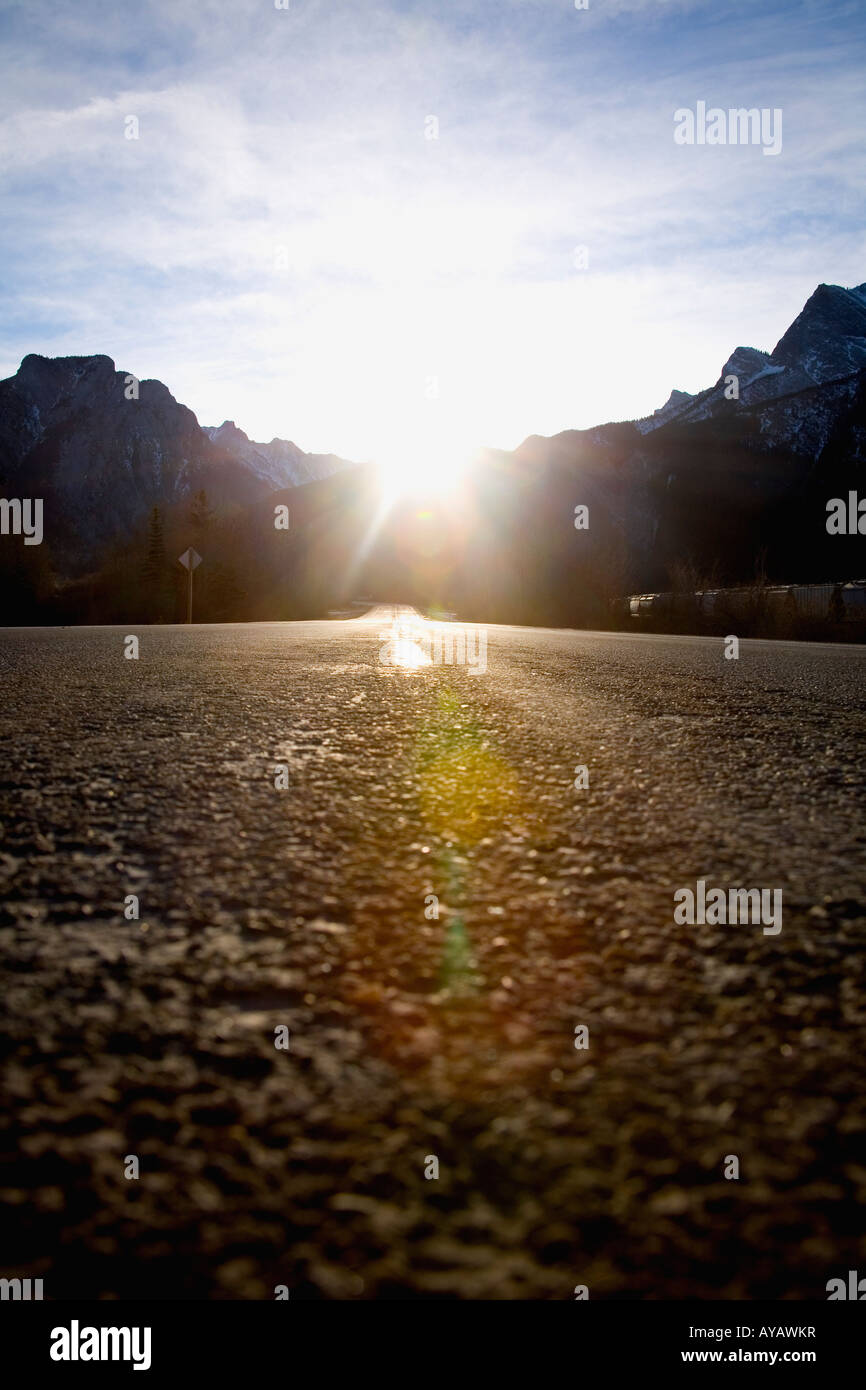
(431, 463)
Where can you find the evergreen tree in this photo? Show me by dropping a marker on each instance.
(201, 514)
(155, 573)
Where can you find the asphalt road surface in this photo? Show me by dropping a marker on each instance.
(416, 1039)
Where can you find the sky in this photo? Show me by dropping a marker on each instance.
(356, 225)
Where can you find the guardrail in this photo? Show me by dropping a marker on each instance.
(838, 602)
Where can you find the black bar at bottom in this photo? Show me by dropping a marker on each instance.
(226, 1340)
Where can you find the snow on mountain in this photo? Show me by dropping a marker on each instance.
(828, 337)
(278, 464)
(676, 402)
(826, 341)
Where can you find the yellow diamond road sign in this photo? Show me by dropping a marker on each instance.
(190, 558)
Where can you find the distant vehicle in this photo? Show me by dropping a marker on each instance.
(640, 604)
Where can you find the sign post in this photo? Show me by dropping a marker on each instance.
(190, 559)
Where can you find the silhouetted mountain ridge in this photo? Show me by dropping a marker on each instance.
(717, 483)
(103, 450)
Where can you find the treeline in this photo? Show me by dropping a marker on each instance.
(139, 580)
(294, 555)
(311, 550)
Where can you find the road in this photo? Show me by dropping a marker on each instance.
(413, 1036)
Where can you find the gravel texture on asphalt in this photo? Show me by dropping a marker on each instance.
(414, 1036)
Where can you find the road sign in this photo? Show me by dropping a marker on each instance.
(189, 559)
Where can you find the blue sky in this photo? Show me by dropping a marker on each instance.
(284, 247)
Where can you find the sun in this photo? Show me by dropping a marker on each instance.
(428, 460)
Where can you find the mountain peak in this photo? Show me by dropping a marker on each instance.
(34, 361)
(745, 360)
(279, 464)
(828, 337)
(676, 401)
(39, 374)
(228, 430)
